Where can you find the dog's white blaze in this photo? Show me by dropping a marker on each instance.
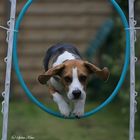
(75, 85)
(75, 81)
(63, 57)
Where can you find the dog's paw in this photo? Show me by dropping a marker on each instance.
(78, 112)
(64, 109)
(79, 108)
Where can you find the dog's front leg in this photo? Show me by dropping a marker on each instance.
(62, 105)
(79, 107)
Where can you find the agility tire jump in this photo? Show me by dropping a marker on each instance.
(103, 104)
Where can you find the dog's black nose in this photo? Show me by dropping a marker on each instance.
(76, 94)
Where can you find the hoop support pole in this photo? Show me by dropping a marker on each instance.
(133, 60)
(8, 61)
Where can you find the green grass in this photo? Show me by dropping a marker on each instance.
(28, 120)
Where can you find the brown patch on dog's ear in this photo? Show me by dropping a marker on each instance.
(102, 73)
(43, 78)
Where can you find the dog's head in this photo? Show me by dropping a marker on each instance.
(74, 74)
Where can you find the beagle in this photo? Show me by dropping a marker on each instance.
(66, 72)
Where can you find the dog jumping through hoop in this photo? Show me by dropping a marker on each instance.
(66, 72)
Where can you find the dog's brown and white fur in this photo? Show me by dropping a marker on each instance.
(67, 72)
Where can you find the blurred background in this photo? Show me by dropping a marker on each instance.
(95, 28)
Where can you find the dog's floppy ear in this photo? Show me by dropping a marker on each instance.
(102, 73)
(43, 78)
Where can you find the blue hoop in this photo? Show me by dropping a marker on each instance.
(108, 100)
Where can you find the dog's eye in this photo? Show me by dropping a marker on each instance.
(68, 79)
(83, 78)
